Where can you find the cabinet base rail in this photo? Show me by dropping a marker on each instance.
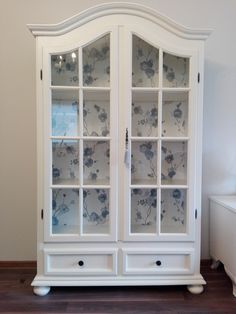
(42, 285)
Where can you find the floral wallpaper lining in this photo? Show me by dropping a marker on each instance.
(174, 163)
(175, 118)
(96, 62)
(95, 210)
(96, 162)
(145, 71)
(65, 213)
(173, 211)
(175, 71)
(144, 162)
(65, 162)
(96, 118)
(64, 69)
(144, 119)
(143, 210)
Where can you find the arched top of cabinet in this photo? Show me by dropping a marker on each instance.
(115, 8)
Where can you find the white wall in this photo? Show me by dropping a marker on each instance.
(17, 107)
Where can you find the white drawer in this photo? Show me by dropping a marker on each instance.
(80, 262)
(150, 262)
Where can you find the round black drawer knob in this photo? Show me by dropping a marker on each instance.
(81, 263)
(158, 263)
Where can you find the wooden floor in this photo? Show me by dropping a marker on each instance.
(16, 296)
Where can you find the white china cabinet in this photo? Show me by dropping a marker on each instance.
(119, 106)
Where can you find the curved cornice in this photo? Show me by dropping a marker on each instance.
(118, 8)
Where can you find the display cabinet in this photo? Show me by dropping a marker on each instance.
(119, 98)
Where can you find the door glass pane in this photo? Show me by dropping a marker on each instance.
(96, 162)
(96, 211)
(173, 210)
(175, 114)
(174, 163)
(96, 113)
(145, 72)
(65, 162)
(65, 113)
(64, 69)
(65, 211)
(96, 62)
(143, 210)
(144, 114)
(175, 71)
(143, 162)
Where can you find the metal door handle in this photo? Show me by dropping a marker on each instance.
(126, 157)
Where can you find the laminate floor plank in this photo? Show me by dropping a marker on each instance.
(16, 296)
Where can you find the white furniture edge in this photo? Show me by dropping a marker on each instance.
(118, 8)
(223, 199)
(233, 279)
(191, 280)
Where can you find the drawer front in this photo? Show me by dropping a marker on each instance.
(150, 262)
(80, 262)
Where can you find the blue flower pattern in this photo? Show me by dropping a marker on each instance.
(96, 206)
(96, 119)
(143, 203)
(64, 208)
(145, 64)
(174, 162)
(175, 71)
(143, 160)
(65, 161)
(145, 67)
(173, 204)
(96, 63)
(96, 161)
(174, 121)
(144, 119)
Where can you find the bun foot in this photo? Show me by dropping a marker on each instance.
(41, 291)
(195, 289)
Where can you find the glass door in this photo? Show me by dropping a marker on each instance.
(96, 137)
(158, 143)
(83, 134)
(144, 141)
(64, 143)
(174, 182)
